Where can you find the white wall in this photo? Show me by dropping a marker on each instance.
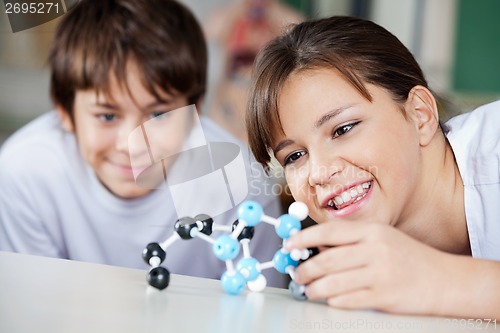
(438, 45)
(324, 8)
(427, 28)
(397, 16)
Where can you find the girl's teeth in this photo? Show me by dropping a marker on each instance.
(349, 194)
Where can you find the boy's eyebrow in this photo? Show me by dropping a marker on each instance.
(105, 105)
(151, 105)
(329, 115)
(156, 103)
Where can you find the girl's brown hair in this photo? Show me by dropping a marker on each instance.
(360, 50)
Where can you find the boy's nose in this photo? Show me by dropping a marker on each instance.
(122, 137)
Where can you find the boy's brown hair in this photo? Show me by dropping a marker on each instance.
(96, 39)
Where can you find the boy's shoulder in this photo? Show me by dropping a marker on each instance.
(39, 130)
(40, 144)
(215, 133)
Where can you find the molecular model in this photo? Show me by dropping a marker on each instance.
(247, 271)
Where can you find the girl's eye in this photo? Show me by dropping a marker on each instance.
(343, 129)
(106, 117)
(293, 157)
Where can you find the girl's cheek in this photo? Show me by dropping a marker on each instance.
(300, 192)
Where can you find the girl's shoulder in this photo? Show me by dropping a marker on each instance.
(475, 140)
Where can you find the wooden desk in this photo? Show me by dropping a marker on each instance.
(40, 294)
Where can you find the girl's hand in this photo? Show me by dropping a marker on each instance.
(373, 266)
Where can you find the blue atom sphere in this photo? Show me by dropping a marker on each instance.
(248, 268)
(282, 260)
(233, 282)
(250, 212)
(226, 248)
(287, 223)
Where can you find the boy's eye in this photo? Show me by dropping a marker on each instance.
(157, 114)
(107, 117)
(343, 129)
(293, 157)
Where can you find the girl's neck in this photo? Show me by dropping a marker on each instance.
(439, 220)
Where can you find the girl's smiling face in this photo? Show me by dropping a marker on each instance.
(344, 156)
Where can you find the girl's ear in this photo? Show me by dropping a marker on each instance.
(421, 106)
(66, 120)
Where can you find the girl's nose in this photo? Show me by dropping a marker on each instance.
(322, 168)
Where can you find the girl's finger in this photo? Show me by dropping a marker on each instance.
(361, 299)
(333, 285)
(333, 260)
(331, 233)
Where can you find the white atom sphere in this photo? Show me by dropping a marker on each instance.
(299, 210)
(258, 284)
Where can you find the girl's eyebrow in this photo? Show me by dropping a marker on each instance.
(283, 144)
(322, 120)
(330, 114)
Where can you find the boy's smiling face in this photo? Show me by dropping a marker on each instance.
(344, 156)
(102, 125)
